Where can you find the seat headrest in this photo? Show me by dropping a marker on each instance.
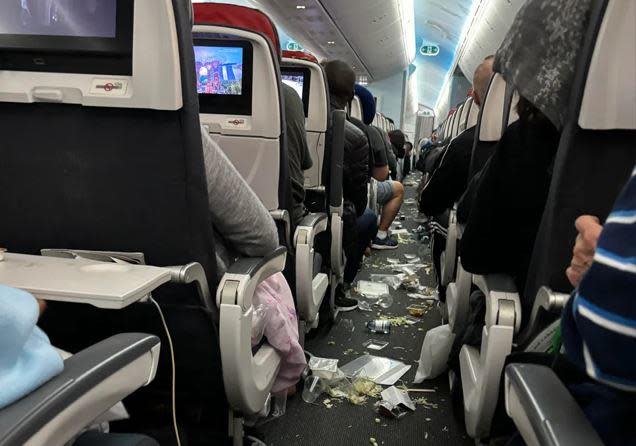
(609, 99)
(239, 17)
(301, 55)
(490, 126)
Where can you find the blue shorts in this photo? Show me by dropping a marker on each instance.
(385, 192)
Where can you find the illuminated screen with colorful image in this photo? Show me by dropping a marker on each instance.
(295, 81)
(219, 70)
(299, 79)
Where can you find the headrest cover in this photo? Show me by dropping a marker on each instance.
(27, 359)
(492, 110)
(240, 17)
(368, 104)
(301, 55)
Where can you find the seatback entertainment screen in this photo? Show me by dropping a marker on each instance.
(67, 36)
(295, 81)
(224, 75)
(71, 18)
(219, 70)
(299, 79)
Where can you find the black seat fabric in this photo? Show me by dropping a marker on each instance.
(590, 169)
(587, 178)
(123, 180)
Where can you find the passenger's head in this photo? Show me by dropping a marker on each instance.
(342, 81)
(368, 104)
(397, 137)
(434, 136)
(408, 147)
(481, 78)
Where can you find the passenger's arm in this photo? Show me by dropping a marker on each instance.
(237, 213)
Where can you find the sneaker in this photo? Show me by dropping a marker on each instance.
(344, 303)
(385, 243)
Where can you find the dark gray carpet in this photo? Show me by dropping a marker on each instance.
(347, 424)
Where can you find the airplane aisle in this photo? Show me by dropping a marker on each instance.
(348, 424)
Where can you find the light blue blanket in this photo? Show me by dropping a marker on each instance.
(27, 359)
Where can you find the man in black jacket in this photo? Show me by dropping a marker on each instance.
(355, 176)
(449, 181)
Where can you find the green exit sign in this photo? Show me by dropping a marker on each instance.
(293, 46)
(429, 50)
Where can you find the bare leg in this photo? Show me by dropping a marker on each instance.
(392, 207)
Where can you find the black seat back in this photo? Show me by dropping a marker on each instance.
(123, 179)
(597, 151)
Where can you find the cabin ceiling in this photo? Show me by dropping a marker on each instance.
(437, 22)
(367, 34)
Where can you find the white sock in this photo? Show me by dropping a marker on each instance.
(382, 235)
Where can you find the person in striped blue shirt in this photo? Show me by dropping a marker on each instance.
(599, 322)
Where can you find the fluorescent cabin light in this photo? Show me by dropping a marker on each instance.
(407, 19)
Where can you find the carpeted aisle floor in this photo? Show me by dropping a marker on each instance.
(347, 424)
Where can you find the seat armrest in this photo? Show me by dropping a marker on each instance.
(547, 302)
(309, 227)
(248, 376)
(253, 266)
(92, 382)
(543, 410)
(282, 216)
(243, 276)
(503, 306)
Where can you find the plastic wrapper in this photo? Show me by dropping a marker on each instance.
(434, 355)
(385, 302)
(325, 368)
(372, 344)
(372, 290)
(392, 280)
(364, 305)
(260, 317)
(383, 371)
(397, 397)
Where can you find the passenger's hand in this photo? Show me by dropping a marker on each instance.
(589, 229)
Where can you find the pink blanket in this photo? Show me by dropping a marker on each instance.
(275, 311)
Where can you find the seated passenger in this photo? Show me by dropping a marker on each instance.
(598, 323)
(505, 204)
(390, 153)
(448, 182)
(298, 155)
(398, 139)
(361, 227)
(408, 158)
(390, 193)
(244, 228)
(378, 163)
(27, 359)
